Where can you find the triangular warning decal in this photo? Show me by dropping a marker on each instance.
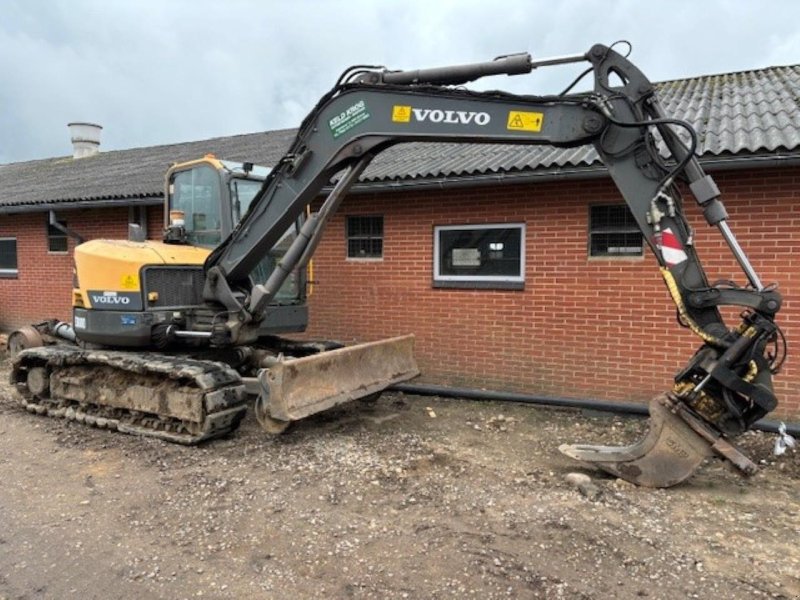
(524, 121)
(516, 123)
(401, 114)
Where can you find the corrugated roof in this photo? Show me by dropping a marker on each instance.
(746, 113)
(750, 112)
(125, 174)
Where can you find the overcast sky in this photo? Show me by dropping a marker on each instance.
(160, 72)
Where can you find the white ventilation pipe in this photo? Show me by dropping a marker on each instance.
(85, 139)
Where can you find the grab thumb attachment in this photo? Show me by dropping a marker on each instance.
(674, 447)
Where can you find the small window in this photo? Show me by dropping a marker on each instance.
(365, 237)
(479, 256)
(56, 239)
(8, 257)
(613, 232)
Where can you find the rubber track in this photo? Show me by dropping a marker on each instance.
(220, 397)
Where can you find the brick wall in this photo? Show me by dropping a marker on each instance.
(43, 287)
(581, 328)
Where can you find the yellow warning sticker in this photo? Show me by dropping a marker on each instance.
(524, 121)
(401, 114)
(130, 282)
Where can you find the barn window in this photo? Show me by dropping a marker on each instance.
(8, 257)
(613, 232)
(479, 256)
(365, 237)
(56, 238)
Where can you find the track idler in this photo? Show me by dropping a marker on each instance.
(674, 447)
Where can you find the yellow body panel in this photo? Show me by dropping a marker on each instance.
(113, 265)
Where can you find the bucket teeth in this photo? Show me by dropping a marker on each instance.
(674, 447)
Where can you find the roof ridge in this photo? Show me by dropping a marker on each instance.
(156, 146)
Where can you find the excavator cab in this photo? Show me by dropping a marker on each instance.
(206, 198)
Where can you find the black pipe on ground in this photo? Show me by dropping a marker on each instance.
(625, 408)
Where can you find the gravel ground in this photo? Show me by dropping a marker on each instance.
(408, 498)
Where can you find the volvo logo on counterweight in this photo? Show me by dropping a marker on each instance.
(115, 300)
(111, 300)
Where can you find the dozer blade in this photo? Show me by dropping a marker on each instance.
(673, 449)
(296, 388)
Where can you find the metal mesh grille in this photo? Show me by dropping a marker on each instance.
(365, 237)
(176, 286)
(613, 232)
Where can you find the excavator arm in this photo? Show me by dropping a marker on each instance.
(725, 387)
(357, 122)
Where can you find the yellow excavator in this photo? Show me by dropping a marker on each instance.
(142, 294)
(215, 317)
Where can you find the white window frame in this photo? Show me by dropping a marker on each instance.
(11, 272)
(438, 277)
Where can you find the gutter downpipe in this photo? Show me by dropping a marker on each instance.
(622, 408)
(63, 229)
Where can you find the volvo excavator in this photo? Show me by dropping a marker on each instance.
(220, 315)
(144, 294)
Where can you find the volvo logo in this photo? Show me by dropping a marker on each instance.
(404, 114)
(110, 299)
(106, 300)
(457, 117)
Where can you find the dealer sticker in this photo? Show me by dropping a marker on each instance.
(346, 120)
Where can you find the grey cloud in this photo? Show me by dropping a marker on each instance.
(161, 72)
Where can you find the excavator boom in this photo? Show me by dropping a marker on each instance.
(725, 387)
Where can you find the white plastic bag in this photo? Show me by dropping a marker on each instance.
(783, 441)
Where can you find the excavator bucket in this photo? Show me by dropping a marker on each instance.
(296, 388)
(674, 447)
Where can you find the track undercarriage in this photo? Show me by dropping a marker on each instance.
(188, 399)
(173, 398)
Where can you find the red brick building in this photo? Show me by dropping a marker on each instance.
(579, 310)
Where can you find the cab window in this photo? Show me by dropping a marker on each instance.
(243, 191)
(196, 192)
(290, 290)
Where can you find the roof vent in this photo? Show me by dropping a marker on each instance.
(85, 139)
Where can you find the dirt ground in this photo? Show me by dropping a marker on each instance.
(410, 498)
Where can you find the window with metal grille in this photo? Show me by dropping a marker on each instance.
(613, 231)
(479, 256)
(365, 237)
(8, 257)
(56, 239)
